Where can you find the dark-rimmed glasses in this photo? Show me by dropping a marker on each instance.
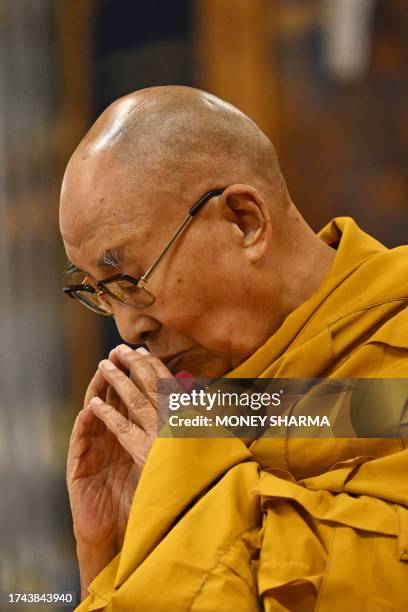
(124, 288)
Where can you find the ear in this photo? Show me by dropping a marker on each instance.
(245, 208)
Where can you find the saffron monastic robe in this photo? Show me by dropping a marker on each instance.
(285, 524)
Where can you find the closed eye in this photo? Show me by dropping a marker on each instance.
(73, 269)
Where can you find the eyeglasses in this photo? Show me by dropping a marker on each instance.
(124, 288)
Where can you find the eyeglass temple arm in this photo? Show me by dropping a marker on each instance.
(196, 207)
(179, 231)
(186, 221)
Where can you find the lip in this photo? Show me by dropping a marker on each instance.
(171, 361)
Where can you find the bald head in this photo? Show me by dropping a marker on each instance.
(176, 138)
(167, 127)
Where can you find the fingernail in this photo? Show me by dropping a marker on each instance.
(124, 348)
(142, 351)
(106, 364)
(96, 401)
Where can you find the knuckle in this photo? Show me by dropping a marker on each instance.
(149, 379)
(134, 358)
(124, 427)
(151, 359)
(133, 404)
(142, 365)
(114, 373)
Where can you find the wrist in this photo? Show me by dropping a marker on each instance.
(92, 560)
(91, 551)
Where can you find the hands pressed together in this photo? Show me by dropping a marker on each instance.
(110, 441)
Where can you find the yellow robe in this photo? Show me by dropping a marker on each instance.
(284, 524)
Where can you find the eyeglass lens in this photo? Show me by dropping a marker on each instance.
(122, 291)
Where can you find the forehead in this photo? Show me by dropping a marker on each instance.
(99, 206)
(109, 244)
(104, 207)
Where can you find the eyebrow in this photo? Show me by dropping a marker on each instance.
(109, 258)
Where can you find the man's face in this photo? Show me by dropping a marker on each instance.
(199, 320)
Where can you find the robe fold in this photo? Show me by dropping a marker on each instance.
(284, 524)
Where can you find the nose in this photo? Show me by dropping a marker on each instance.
(134, 326)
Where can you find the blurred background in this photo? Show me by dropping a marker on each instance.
(327, 80)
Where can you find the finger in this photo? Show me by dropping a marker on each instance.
(80, 440)
(123, 352)
(145, 369)
(129, 435)
(141, 370)
(138, 405)
(162, 371)
(111, 396)
(79, 432)
(114, 356)
(164, 383)
(97, 387)
(86, 426)
(114, 400)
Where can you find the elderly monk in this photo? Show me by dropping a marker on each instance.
(176, 217)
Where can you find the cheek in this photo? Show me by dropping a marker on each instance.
(210, 326)
(196, 302)
(196, 298)
(184, 305)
